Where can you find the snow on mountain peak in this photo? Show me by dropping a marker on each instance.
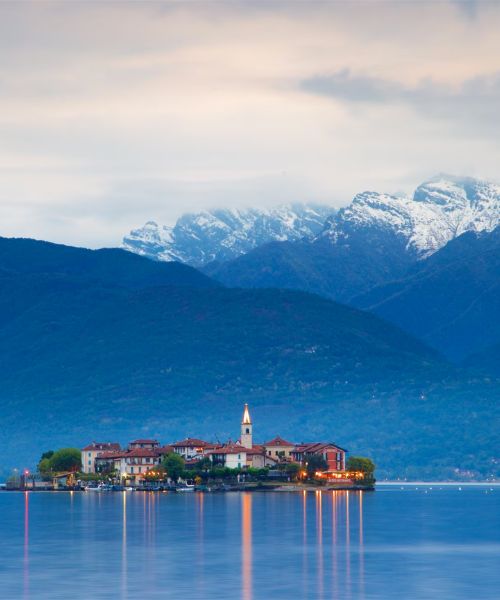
(222, 234)
(441, 209)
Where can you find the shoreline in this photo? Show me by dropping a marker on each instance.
(212, 490)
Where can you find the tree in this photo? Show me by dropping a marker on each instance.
(314, 463)
(204, 464)
(365, 465)
(257, 473)
(66, 459)
(44, 466)
(292, 470)
(174, 465)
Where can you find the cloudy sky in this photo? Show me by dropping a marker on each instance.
(114, 113)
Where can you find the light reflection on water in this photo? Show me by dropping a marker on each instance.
(251, 546)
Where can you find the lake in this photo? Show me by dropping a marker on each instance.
(425, 542)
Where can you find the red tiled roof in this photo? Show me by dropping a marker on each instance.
(278, 441)
(316, 447)
(254, 450)
(230, 449)
(145, 442)
(144, 452)
(102, 446)
(191, 443)
(164, 449)
(110, 454)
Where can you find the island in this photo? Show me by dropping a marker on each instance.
(195, 464)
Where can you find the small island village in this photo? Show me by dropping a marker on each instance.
(194, 464)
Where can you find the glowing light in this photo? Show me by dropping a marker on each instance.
(246, 416)
(247, 546)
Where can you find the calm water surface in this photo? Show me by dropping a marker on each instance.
(394, 543)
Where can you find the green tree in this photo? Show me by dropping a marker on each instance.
(66, 459)
(174, 465)
(44, 466)
(365, 465)
(314, 463)
(204, 464)
(292, 469)
(257, 473)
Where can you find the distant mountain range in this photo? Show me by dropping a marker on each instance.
(109, 345)
(380, 243)
(440, 209)
(220, 235)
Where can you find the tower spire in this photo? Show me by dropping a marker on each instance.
(246, 429)
(246, 416)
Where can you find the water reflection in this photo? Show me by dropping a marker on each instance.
(252, 546)
(246, 528)
(347, 545)
(319, 540)
(361, 547)
(200, 575)
(26, 581)
(124, 546)
(334, 544)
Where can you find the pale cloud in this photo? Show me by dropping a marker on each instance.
(112, 114)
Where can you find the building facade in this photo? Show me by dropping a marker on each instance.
(91, 451)
(144, 455)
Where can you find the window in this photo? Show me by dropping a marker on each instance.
(90, 462)
(132, 470)
(239, 459)
(140, 469)
(90, 454)
(247, 430)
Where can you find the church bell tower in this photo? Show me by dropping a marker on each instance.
(246, 429)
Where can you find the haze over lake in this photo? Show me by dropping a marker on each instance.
(413, 542)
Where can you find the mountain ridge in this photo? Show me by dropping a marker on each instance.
(440, 209)
(451, 300)
(222, 234)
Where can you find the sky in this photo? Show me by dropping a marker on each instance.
(116, 113)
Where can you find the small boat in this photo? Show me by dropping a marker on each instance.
(185, 488)
(102, 487)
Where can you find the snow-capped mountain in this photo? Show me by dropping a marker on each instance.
(440, 210)
(220, 235)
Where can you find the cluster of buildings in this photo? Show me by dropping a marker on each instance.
(145, 455)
